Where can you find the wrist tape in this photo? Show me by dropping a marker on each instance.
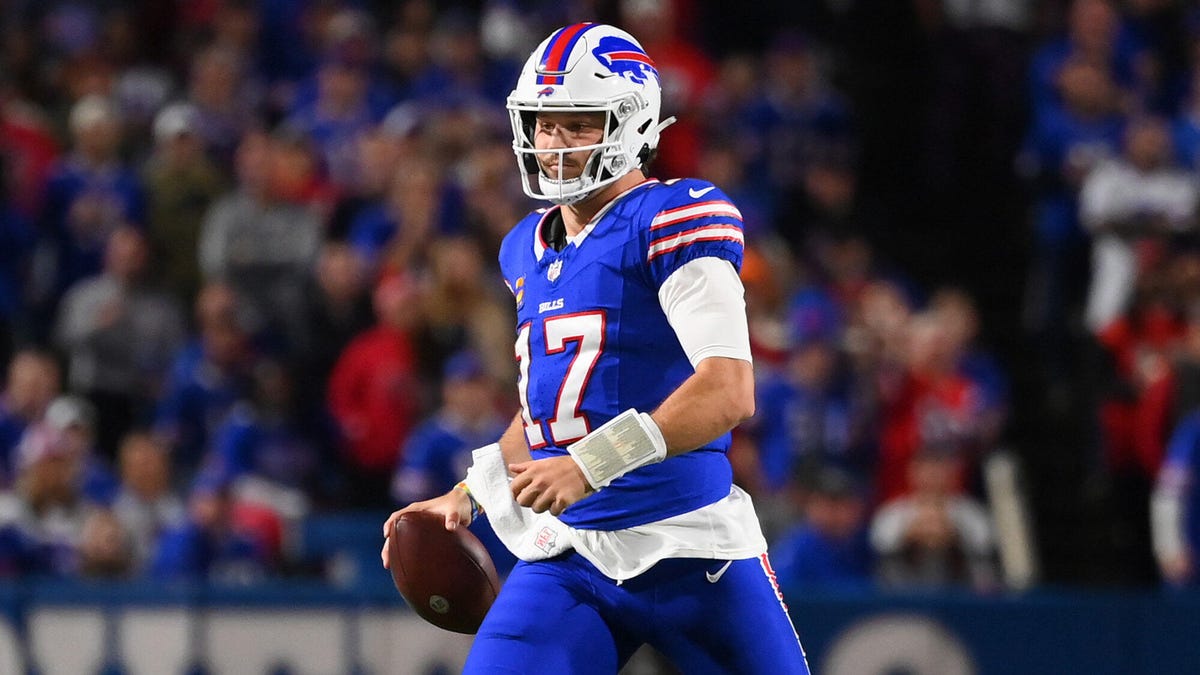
(624, 443)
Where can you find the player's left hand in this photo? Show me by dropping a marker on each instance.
(551, 484)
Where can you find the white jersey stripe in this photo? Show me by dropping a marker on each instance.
(719, 232)
(701, 210)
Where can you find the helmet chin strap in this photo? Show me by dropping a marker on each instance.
(567, 191)
(555, 190)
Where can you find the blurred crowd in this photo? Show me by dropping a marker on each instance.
(247, 272)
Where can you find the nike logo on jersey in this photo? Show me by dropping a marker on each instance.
(697, 194)
(714, 578)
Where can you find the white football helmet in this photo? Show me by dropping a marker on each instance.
(587, 67)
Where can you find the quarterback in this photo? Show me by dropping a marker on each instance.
(612, 484)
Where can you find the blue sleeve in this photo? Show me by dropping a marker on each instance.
(1187, 142)
(774, 446)
(420, 449)
(1047, 141)
(696, 220)
(785, 558)
(19, 553)
(234, 444)
(1181, 449)
(1043, 69)
(169, 411)
(370, 231)
(100, 486)
(415, 477)
(178, 556)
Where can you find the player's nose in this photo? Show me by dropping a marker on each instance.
(556, 138)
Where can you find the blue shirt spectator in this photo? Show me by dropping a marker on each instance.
(1062, 148)
(208, 547)
(197, 396)
(268, 437)
(1096, 33)
(420, 206)
(809, 416)
(267, 446)
(438, 454)
(829, 550)
(90, 194)
(209, 376)
(796, 114)
(347, 103)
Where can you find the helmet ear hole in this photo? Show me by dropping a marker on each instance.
(645, 125)
(645, 155)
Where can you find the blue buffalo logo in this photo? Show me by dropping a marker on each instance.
(545, 92)
(625, 58)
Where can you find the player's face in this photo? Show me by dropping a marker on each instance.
(554, 131)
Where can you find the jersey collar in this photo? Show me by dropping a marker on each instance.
(539, 243)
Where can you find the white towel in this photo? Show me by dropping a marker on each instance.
(727, 529)
(530, 536)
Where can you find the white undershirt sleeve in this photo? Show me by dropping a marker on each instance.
(705, 304)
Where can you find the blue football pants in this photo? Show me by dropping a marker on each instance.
(563, 616)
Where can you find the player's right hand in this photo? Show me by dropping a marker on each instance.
(454, 507)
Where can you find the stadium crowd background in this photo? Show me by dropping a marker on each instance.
(247, 269)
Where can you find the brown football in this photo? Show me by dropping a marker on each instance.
(446, 576)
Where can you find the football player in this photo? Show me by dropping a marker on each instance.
(612, 484)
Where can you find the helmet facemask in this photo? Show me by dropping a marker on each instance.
(609, 160)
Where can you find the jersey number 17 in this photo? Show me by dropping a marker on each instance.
(586, 330)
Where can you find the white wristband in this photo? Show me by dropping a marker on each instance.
(624, 443)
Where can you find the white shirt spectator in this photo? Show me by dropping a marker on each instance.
(1117, 200)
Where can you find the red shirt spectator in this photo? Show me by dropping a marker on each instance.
(929, 407)
(31, 151)
(1135, 423)
(374, 390)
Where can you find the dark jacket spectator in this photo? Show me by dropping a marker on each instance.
(181, 183)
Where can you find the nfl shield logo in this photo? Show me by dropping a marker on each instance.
(545, 539)
(554, 271)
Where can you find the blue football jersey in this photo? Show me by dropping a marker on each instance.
(593, 340)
